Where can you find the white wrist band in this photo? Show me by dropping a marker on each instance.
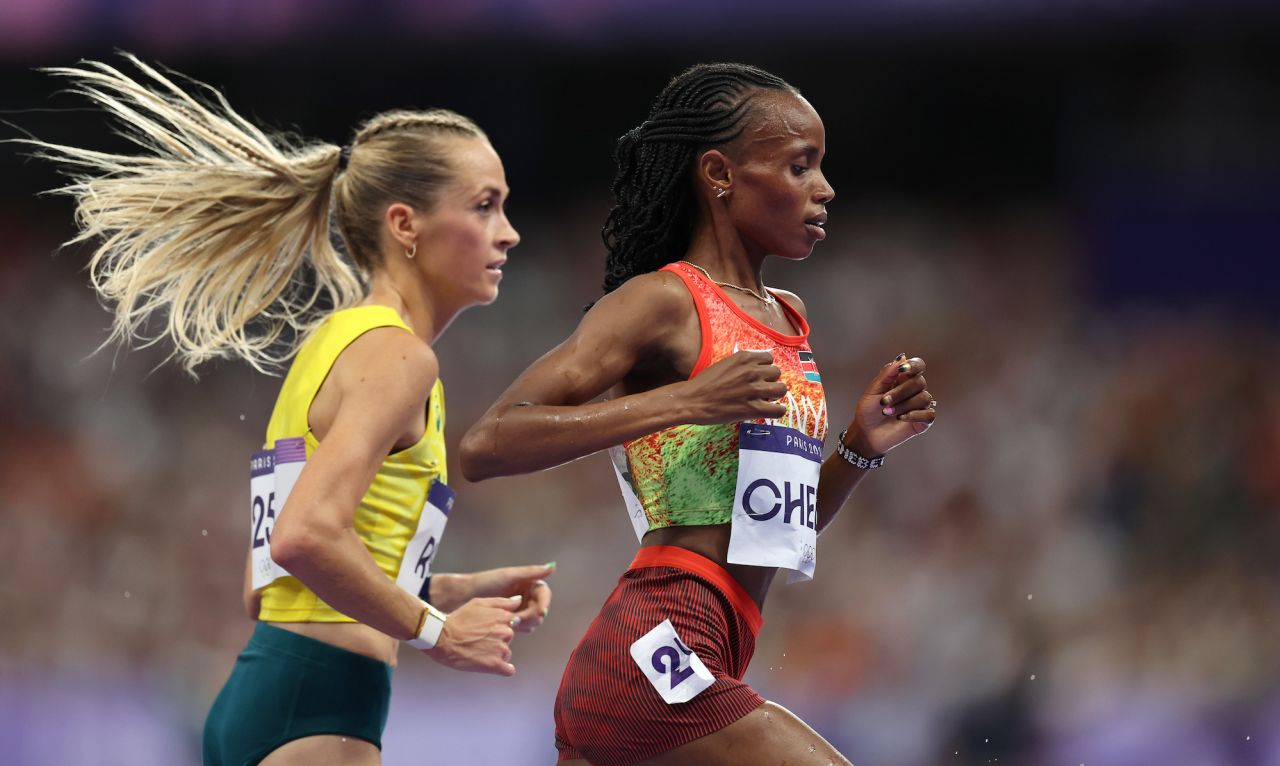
(432, 624)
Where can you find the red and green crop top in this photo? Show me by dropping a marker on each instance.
(685, 475)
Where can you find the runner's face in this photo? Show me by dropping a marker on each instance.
(466, 235)
(778, 192)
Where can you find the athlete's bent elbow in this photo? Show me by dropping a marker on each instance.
(292, 547)
(476, 461)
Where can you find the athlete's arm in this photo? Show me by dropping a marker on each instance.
(893, 408)
(544, 419)
(381, 382)
(900, 387)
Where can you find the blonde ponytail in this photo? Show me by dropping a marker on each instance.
(209, 228)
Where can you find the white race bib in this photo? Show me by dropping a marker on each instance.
(775, 502)
(639, 521)
(673, 669)
(272, 474)
(416, 564)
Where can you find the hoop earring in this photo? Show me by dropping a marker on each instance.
(410, 253)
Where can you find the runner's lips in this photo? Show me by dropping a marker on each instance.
(817, 226)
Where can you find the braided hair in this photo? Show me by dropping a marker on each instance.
(652, 218)
(395, 156)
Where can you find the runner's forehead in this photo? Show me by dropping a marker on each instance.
(782, 121)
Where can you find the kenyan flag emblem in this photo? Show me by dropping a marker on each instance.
(808, 367)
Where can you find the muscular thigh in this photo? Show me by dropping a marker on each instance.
(767, 736)
(324, 750)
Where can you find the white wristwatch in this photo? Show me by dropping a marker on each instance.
(432, 623)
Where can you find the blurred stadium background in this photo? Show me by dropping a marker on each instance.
(1070, 208)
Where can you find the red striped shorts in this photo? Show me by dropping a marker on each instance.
(608, 711)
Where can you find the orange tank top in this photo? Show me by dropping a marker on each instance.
(685, 475)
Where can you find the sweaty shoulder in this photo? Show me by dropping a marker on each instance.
(658, 296)
(792, 300)
(654, 320)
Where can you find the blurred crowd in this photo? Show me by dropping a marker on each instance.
(1075, 566)
(1069, 209)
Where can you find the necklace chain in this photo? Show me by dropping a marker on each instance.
(767, 299)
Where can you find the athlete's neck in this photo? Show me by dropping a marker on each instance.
(413, 301)
(718, 247)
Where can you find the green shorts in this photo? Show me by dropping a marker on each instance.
(285, 686)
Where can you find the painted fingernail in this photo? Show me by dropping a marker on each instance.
(904, 368)
(899, 357)
(886, 400)
(517, 598)
(887, 410)
(515, 621)
(546, 612)
(550, 565)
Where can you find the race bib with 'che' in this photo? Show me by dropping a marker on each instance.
(775, 502)
(416, 564)
(272, 474)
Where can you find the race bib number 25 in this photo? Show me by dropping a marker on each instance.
(272, 474)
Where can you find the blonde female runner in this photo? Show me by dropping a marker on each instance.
(219, 235)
